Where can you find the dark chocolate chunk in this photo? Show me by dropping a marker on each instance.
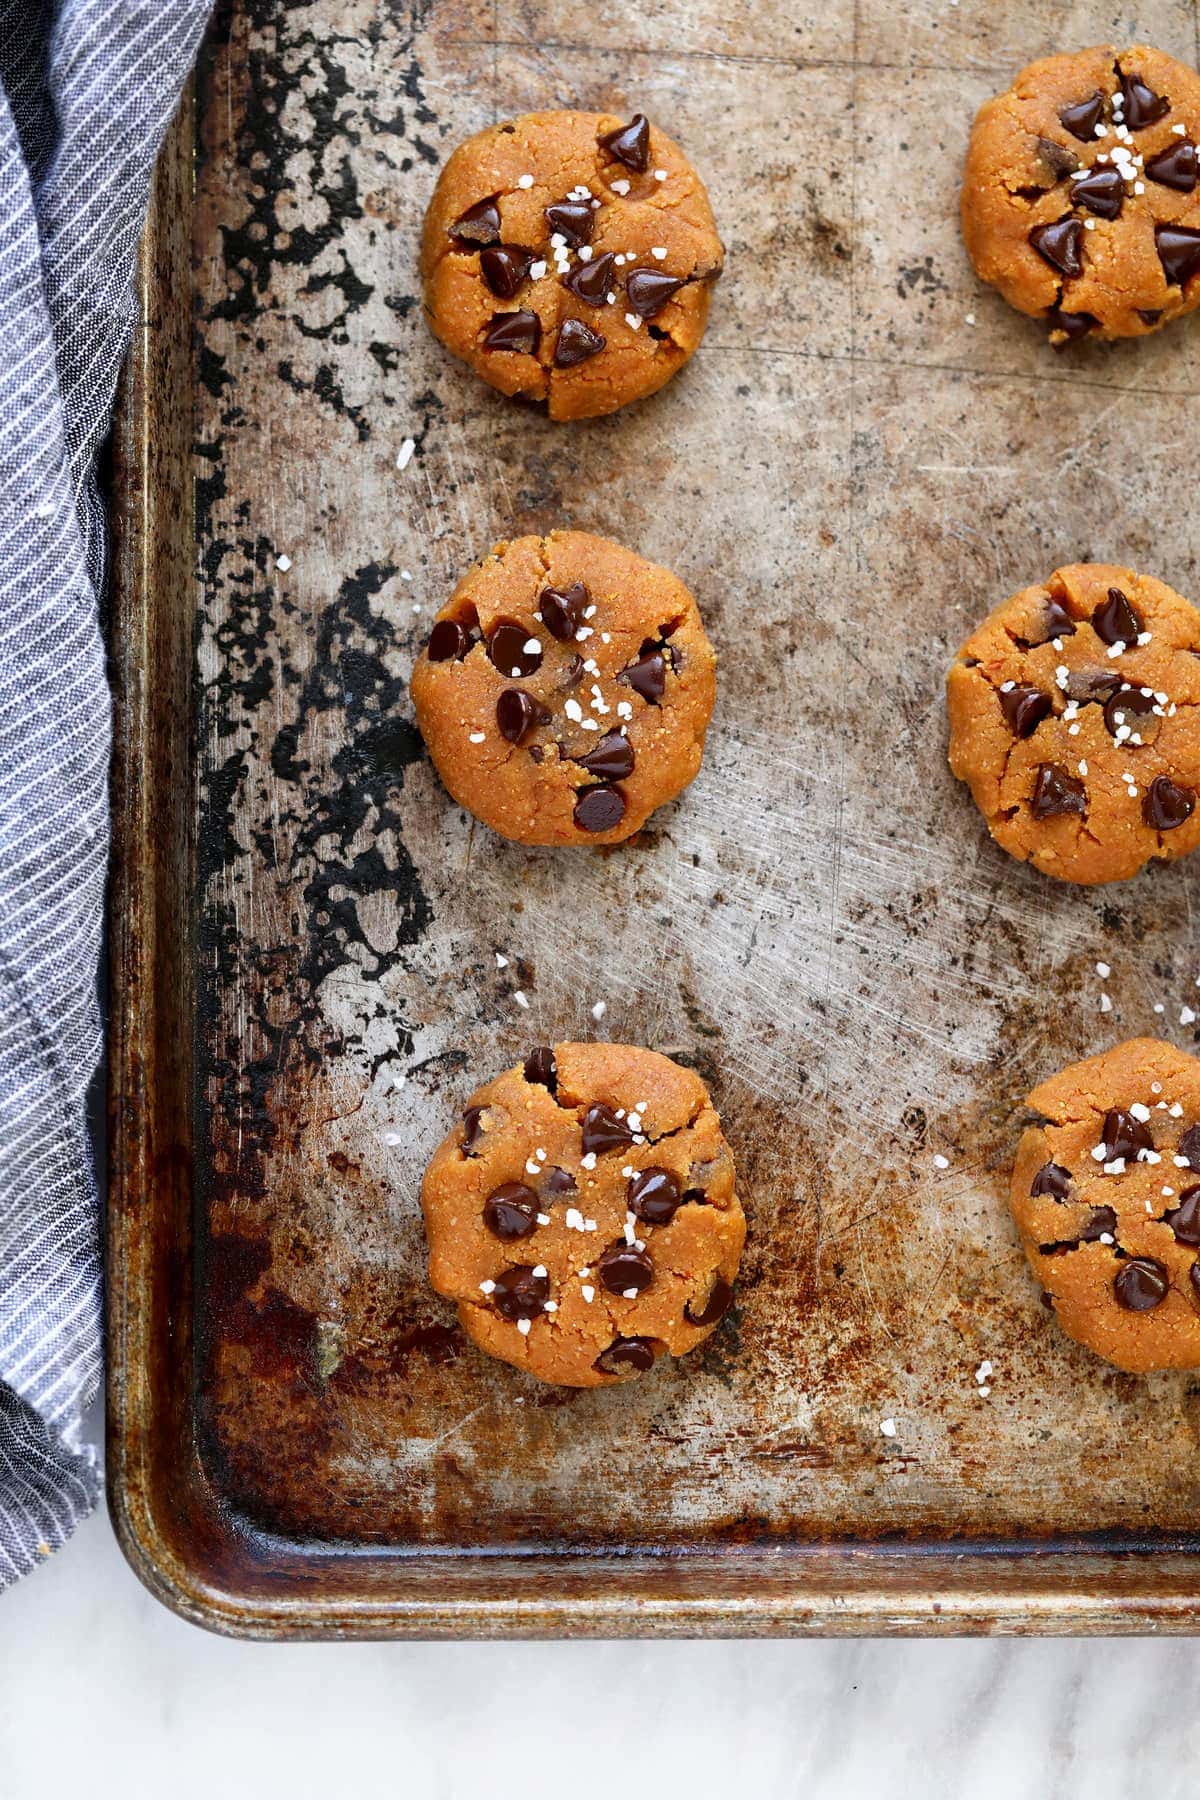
(1141, 1284)
(1142, 105)
(1088, 685)
(1194, 1278)
(1024, 707)
(507, 651)
(592, 281)
(480, 224)
(518, 713)
(576, 342)
(647, 676)
(602, 1130)
(653, 1195)
(573, 220)
(1123, 1135)
(1132, 713)
(1082, 119)
(599, 808)
(504, 268)
(1178, 252)
(1189, 1147)
(541, 1068)
(448, 642)
(1056, 791)
(520, 1294)
(1116, 621)
(622, 1266)
(1058, 621)
(1149, 315)
(471, 1126)
(626, 1355)
(1167, 806)
(1103, 1223)
(648, 290)
(572, 675)
(1052, 1179)
(1056, 159)
(556, 1182)
(1060, 244)
(511, 1212)
(1072, 324)
(1184, 1219)
(562, 610)
(630, 143)
(1176, 167)
(720, 1299)
(1101, 191)
(611, 760)
(518, 331)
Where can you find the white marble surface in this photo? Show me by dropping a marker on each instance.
(94, 1670)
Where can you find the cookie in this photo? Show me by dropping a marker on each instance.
(1106, 1197)
(582, 1214)
(565, 689)
(1073, 719)
(568, 257)
(1081, 201)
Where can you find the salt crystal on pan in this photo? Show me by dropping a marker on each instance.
(283, 563)
(888, 1427)
(1186, 1015)
(599, 1010)
(521, 1000)
(941, 1162)
(405, 453)
(1105, 1003)
(1103, 971)
(501, 961)
(392, 1137)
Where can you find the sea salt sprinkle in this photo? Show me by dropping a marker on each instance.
(283, 564)
(941, 1162)
(888, 1427)
(405, 453)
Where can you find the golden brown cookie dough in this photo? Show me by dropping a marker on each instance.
(565, 689)
(568, 257)
(1073, 719)
(1080, 199)
(1106, 1196)
(583, 1214)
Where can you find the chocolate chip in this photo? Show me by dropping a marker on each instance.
(471, 1126)
(1123, 1135)
(520, 1294)
(576, 343)
(1055, 791)
(1060, 244)
(507, 651)
(1189, 1147)
(511, 1212)
(611, 760)
(648, 290)
(1149, 315)
(518, 713)
(653, 1195)
(1184, 1219)
(602, 1130)
(518, 331)
(1052, 1179)
(1088, 685)
(592, 281)
(1141, 1284)
(1056, 159)
(540, 1067)
(1057, 620)
(1024, 707)
(572, 675)
(622, 1266)
(504, 268)
(480, 224)
(633, 1355)
(557, 1182)
(1167, 806)
(630, 143)
(1082, 119)
(1101, 191)
(1142, 105)
(1194, 1278)
(1176, 167)
(448, 642)
(647, 676)
(1132, 713)
(720, 1299)
(562, 610)
(599, 808)
(1103, 1223)
(1116, 621)
(1072, 324)
(1178, 252)
(572, 219)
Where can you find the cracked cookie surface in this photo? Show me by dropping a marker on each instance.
(1073, 719)
(568, 257)
(1106, 1197)
(565, 689)
(583, 1215)
(1081, 194)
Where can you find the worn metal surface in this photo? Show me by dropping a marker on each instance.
(865, 454)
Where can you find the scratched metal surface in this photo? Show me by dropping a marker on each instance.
(848, 475)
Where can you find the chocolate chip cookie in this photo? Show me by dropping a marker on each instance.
(1106, 1196)
(1080, 199)
(582, 1213)
(1073, 719)
(565, 689)
(569, 257)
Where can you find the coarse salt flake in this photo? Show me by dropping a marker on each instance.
(524, 181)
(405, 453)
(888, 1427)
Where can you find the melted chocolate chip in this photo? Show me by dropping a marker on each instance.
(1088, 685)
(1103, 1223)
(1194, 1278)
(1082, 119)
(647, 676)
(1189, 1147)
(1056, 159)
(504, 268)
(448, 642)
(517, 331)
(1123, 1135)
(611, 760)
(1101, 191)
(653, 1195)
(572, 219)
(603, 1131)
(1052, 1179)
(1167, 806)
(720, 1299)
(511, 1212)
(1176, 167)
(592, 281)
(507, 652)
(1178, 252)
(1116, 621)
(626, 1355)
(1184, 1219)
(648, 290)
(1060, 244)
(1024, 707)
(518, 713)
(599, 808)
(1056, 791)
(562, 610)
(557, 1182)
(1057, 620)
(520, 1294)
(1142, 105)
(622, 1266)
(1132, 713)
(1141, 1284)
(576, 342)
(540, 1067)
(471, 1126)
(1072, 324)
(630, 143)
(1149, 315)
(480, 224)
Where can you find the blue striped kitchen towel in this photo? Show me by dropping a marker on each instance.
(87, 88)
